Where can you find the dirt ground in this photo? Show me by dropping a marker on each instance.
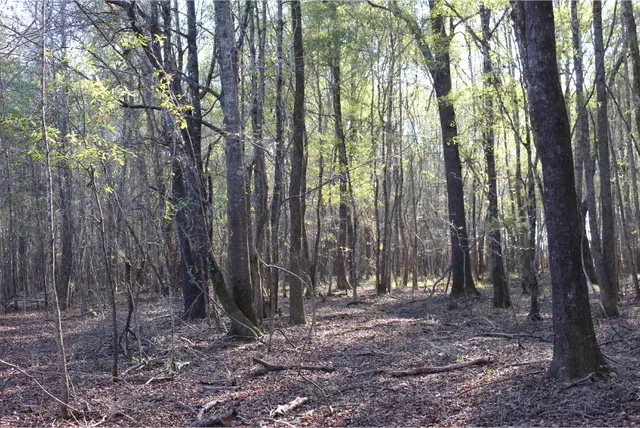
(184, 367)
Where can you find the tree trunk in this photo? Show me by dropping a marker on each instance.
(583, 164)
(238, 240)
(501, 298)
(576, 352)
(296, 199)
(59, 339)
(632, 37)
(276, 198)
(608, 288)
(462, 279)
(343, 252)
(437, 60)
(66, 184)
(260, 188)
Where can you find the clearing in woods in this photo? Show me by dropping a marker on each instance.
(357, 358)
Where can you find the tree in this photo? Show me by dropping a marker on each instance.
(501, 298)
(575, 352)
(608, 274)
(298, 173)
(236, 209)
(632, 37)
(345, 229)
(582, 161)
(59, 338)
(276, 198)
(438, 61)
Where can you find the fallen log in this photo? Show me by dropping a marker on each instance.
(274, 367)
(286, 408)
(431, 370)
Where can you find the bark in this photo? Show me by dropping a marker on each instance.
(609, 287)
(238, 240)
(296, 198)
(576, 352)
(501, 298)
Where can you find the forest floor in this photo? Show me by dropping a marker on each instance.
(187, 366)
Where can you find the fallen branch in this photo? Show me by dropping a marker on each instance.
(160, 379)
(512, 336)
(431, 370)
(217, 421)
(216, 388)
(286, 408)
(13, 366)
(273, 367)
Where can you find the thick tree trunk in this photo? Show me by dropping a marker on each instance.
(238, 240)
(296, 198)
(576, 352)
(438, 62)
(608, 288)
(501, 298)
(462, 279)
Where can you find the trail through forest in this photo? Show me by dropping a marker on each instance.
(195, 371)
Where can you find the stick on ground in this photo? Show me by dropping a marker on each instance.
(431, 370)
(274, 367)
(286, 408)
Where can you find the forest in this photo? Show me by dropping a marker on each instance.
(319, 213)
